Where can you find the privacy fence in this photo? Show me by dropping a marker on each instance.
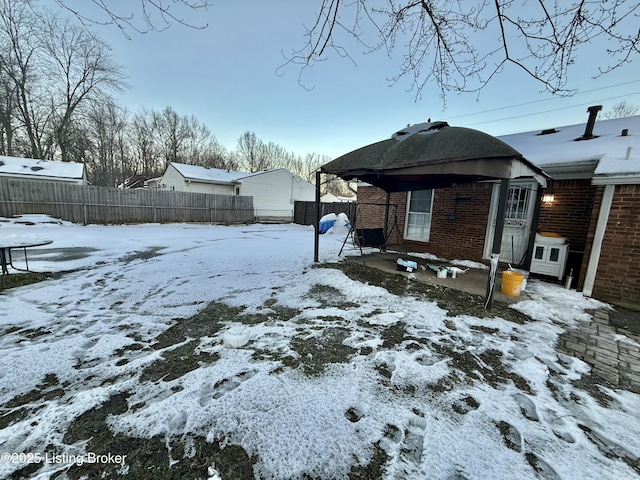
(305, 212)
(86, 204)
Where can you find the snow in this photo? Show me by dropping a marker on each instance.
(608, 149)
(218, 175)
(128, 284)
(40, 168)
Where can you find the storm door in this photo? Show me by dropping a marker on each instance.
(517, 221)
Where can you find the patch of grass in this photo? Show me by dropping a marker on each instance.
(591, 385)
(374, 469)
(454, 301)
(148, 458)
(329, 296)
(48, 389)
(394, 335)
(176, 363)
(21, 279)
(511, 436)
(316, 352)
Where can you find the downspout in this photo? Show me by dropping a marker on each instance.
(596, 247)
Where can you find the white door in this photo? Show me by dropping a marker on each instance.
(517, 221)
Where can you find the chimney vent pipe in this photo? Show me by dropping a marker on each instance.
(593, 113)
(629, 152)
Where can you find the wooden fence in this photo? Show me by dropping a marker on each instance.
(304, 213)
(86, 204)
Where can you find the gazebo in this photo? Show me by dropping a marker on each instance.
(435, 155)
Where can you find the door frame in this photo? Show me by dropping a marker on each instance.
(529, 220)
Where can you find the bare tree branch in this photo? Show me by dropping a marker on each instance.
(150, 15)
(453, 43)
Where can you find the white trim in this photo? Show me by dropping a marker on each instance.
(616, 180)
(408, 212)
(596, 245)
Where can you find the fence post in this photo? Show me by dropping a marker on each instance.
(84, 212)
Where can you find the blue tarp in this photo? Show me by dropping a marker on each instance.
(326, 225)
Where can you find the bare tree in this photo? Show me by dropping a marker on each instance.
(26, 112)
(80, 67)
(444, 40)
(252, 153)
(146, 16)
(621, 109)
(108, 160)
(145, 146)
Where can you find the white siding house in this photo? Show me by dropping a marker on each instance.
(274, 192)
(44, 170)
(192, 178)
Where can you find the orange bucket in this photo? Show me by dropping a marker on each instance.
(512, 283)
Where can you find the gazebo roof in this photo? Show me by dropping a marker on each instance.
(433, 155)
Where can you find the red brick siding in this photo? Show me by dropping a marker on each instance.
(458, 222)
(618, 276)
(570, 212)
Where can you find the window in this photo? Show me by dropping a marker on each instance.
(418, 223)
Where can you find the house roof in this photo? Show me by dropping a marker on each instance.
(433, 155)
(210, 175)
(219, 175)
(605, 155)
(41, 168)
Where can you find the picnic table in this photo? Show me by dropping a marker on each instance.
(12, 242)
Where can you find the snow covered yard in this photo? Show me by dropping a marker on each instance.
(196, 351)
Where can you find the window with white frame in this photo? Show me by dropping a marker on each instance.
(418, 221)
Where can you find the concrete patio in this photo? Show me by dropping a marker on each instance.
(473, 281)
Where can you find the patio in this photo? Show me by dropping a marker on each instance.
(473, 281)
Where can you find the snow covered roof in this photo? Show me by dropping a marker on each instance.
(218, 175)
(205, 174)
(607, 151)
(41, 168)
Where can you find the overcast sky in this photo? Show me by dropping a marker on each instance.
(228, 77)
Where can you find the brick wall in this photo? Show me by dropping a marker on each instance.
(570, 212)
(618, 276)
(458, 222)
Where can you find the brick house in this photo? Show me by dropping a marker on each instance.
(592, 202)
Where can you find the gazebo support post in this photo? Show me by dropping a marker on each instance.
(497, 242)
(386, 215)
(316, 224)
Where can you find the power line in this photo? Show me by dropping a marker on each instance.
(543, 100)
(549, 111)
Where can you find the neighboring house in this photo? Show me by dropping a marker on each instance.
(592, 202)
(196, 179)
(44, 170)
(331, 198)
(134, 181)
(153, 183)
(274, 192)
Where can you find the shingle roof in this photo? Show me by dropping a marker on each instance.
(432, 155)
